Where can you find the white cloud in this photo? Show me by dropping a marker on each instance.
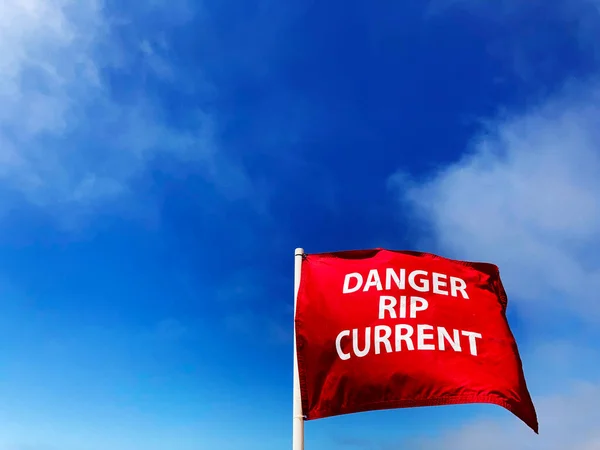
(66, 139)
(526, 197)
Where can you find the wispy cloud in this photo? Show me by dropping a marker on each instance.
(72, 133)
(526, 197)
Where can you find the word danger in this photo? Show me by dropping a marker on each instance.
(419, 280)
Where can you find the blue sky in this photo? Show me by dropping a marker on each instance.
(160, 161)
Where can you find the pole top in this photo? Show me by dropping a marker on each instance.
(299, 252)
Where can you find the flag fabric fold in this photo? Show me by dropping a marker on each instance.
(380, 329)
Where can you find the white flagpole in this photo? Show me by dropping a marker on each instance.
(298, 424)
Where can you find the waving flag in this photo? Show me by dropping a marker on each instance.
(379, 329)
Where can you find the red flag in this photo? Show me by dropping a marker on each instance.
(379, 329)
